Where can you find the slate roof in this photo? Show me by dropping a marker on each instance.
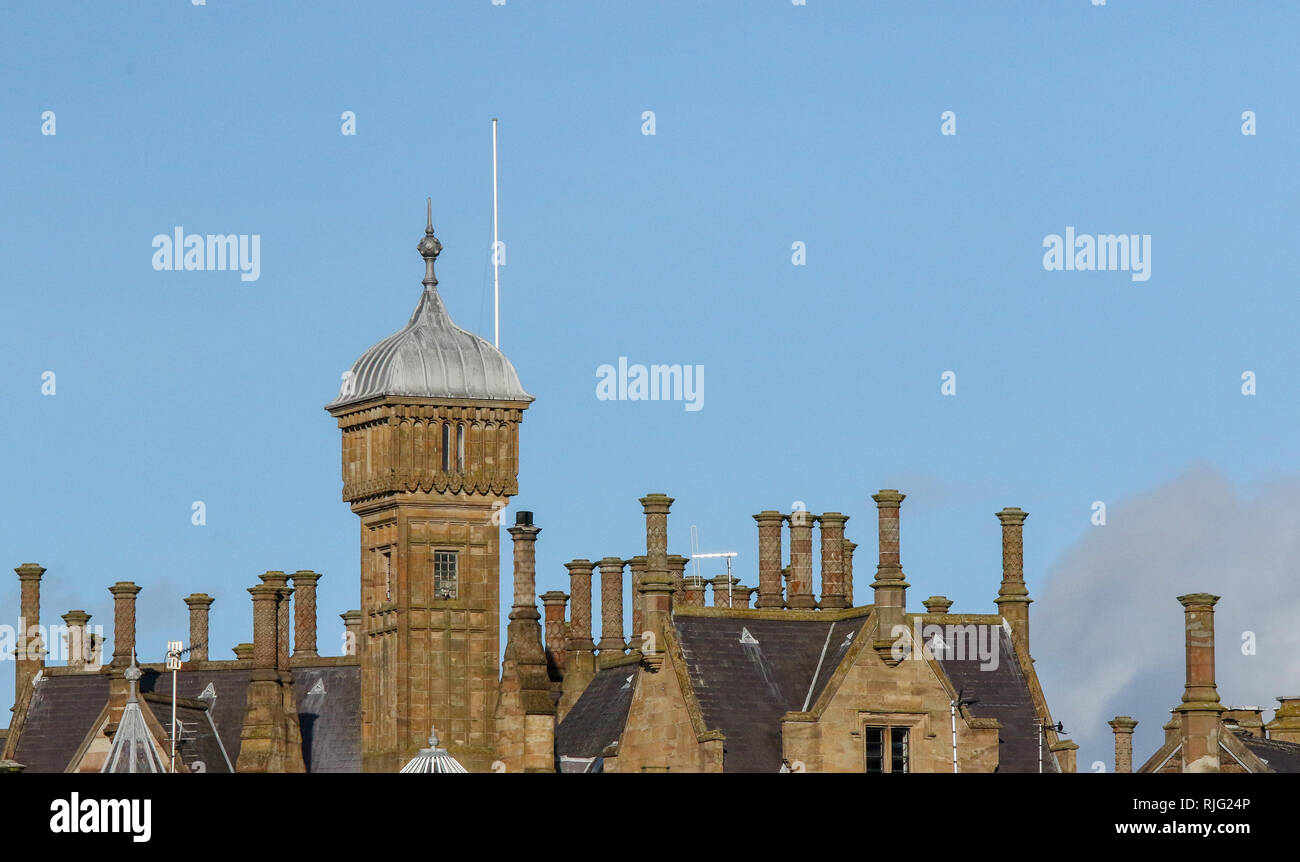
(60, 714)
(744, 688)
(226, 710)
(1002, 692)
(598, 717)
(330, 718)
(1280, 756)
(200, 747)
(63, 708)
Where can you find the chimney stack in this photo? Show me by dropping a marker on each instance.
(124, 593)
(693, 591)
(833, 590)
(677, 567)
(636, 567)
(1249, 719)
(263, 744)
(612, 645)
(740, 596)
(801, 567)
(580, 664)
(1200, 709)
(722, 597)
(525, 713)
(280, 581)
(1013, 596)
(890, 587)
(79, 646)
(198, 604)
(1123, 726)
(304, 613)
(1285, 726)
(849, 548)
(352, 632)
(554, 605)
(29, 654)
(937, 604)
(769, 560)
(656, 585)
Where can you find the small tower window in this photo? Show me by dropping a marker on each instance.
(445, 576)
(460, 448)
(446, 446)
(386, 561)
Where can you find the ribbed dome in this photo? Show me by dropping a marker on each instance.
(432, 357)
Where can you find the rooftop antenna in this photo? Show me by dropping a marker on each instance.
(496, 249)
(695, 547)
(728, 555)
(176, 649)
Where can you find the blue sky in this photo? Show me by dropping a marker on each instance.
(775, 124)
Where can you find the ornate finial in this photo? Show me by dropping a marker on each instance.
(429, 249)
(132, 675)
(433, 736)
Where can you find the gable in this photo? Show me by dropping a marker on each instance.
(744, 685)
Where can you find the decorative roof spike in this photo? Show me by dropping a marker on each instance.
(429, 249)
(133, 747)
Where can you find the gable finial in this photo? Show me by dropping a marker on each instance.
(429, 249)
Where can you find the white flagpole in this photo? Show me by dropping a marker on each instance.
(496, 275)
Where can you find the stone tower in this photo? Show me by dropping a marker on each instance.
(430, 424)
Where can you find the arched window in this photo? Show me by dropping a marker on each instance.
(446, 446)
(460, 448)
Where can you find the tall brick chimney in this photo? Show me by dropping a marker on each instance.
(1200, 709)
(636, 567)
(124, 593)
(352, 631)
(889, 586)
(1285, 725)
(724, 595)
(1123, 726)
(525, 713)
(849, 548)
(833, 587)
(199, 603)
(80, 648)
(29, 654)
(693, 591)
(580, 664)
(271, 739)
(611, 646)
(280, 581)
(555, 604)
(304, 613)
(677, 566)
(657, 585)
(801, 564)
(1013, 596)
(769, 559)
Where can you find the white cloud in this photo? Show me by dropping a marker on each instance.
(1108, 630)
